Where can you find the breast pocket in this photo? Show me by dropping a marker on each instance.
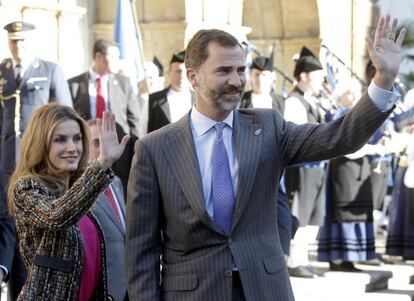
(37, 92)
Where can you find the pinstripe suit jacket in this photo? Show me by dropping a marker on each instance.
(166, 213)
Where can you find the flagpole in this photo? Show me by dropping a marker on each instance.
(137, 31)
(363, 83)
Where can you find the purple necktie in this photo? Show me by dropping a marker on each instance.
(221, 184)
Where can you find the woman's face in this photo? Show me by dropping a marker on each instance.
(66, 147)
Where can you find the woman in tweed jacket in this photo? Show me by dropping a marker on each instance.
(50, 193)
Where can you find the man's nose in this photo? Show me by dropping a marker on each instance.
(235, 79)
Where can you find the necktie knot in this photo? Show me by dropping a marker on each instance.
(219, 128)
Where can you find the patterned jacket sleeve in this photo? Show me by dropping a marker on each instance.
(36, 205)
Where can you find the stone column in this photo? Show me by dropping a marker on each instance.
(57, 36)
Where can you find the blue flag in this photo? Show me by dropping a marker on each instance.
(128, 37)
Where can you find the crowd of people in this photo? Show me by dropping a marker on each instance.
(202, 190)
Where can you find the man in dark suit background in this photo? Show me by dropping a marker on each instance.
(169, 105)
(26, 83)
(109, 211)
(202, 194)
(99, 89)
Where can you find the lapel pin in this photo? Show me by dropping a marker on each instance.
(257, 132)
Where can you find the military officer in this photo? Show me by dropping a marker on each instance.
(25, 84)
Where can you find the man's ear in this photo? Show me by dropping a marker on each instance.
(192, 77)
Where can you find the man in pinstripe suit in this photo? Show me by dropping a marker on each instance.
(172, 215)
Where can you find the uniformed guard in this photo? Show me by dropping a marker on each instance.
(26, 83)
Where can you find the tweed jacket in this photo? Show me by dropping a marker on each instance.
(167, 217)
(50, 240)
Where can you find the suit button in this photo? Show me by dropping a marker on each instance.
(229, 273)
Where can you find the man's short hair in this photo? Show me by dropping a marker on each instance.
(102, 46)
(197, 49)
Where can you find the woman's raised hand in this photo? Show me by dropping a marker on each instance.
(110, 148)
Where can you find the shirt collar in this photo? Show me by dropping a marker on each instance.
(201, 123)
(23, 65)
(94, 76)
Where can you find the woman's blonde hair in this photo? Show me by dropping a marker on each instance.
(35, 145)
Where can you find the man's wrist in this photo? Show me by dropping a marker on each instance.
(384, 81)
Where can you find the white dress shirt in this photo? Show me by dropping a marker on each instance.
(263, 101)
(179, 103)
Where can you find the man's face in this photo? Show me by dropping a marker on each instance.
(17, 49)
(108, 62)
(94, 146)
(219, 82)
(313, 81)
(262, 80)
(177, 77)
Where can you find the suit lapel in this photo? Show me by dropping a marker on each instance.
(112, 92)
(247, 138)
(83, 92)
(104, 204)
(116, 185)
(181, 155)
(165, 107)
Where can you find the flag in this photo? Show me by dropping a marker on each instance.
(128, 37)
(330, 73)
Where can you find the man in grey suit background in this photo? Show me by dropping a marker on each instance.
(100, 89)
(202, 191)
(109, 210)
